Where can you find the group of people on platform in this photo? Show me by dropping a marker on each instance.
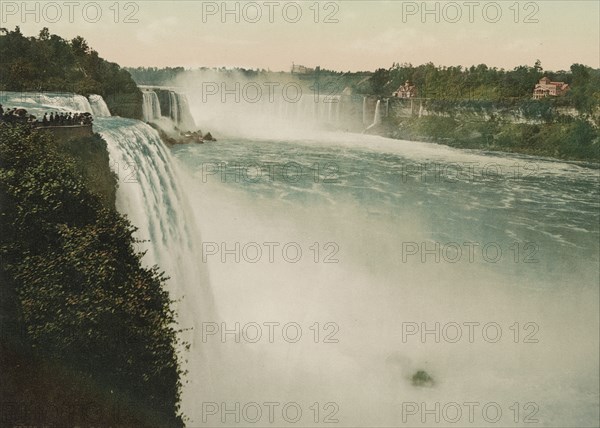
(20, 115)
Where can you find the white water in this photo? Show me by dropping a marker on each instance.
(150, 106)
(98, 105)
(151, 193)
(377, 116)
(266, 117)
(368, 213)
(178, 108)
(173, 107)
(38, 103)
(381, 199)
(184, 120)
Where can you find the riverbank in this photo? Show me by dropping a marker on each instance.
(569, 139)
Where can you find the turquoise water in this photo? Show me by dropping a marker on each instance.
(375, 199)
(458, 196)
(366, 214)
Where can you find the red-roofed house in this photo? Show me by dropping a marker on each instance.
(546, 88)
(407, 90)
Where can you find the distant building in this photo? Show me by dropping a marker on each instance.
(546, 88)
(300, 69)
(407, 90)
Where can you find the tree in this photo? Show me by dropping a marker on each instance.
(80, 46)
(378, 81)
(44, 34)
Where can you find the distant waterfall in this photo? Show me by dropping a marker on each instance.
(365, 116)
(377, 119)
(173, 107)
(333, 115)
(184, 116)
(163, 103)
(99, 107)
(150, 106)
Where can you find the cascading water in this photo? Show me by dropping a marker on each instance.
(184, 117)
(377, 116)
(177, 110)
(174, 107)
(38, 103)
(150, 106)
(365, 115)
(150, 193)
(383, 194)
(267, 114)
(98, 105)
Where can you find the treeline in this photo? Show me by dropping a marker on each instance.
(51, 63)
(155, 76)
(489, 83)
(88, 336)
(320, 81)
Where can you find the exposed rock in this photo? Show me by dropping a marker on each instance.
(188, 137)
(209, 137)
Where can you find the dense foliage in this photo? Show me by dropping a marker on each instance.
(489, 83)
(73, 285)
(154, 76)
(569, 138)
(488, 108)
(50, 63)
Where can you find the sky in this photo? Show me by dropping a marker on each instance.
(343, 35)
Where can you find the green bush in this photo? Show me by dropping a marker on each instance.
(86, 303)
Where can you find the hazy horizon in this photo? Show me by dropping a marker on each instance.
(199, 34)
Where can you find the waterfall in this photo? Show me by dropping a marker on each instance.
(177, 109)
(365, 118)
(38, 103)
(150, 106)
(376, 116)
(99, 107)
(151, 194)
(185, 119)
(173, 107)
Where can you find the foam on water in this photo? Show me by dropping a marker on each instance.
(99, 107)
(380, 200)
